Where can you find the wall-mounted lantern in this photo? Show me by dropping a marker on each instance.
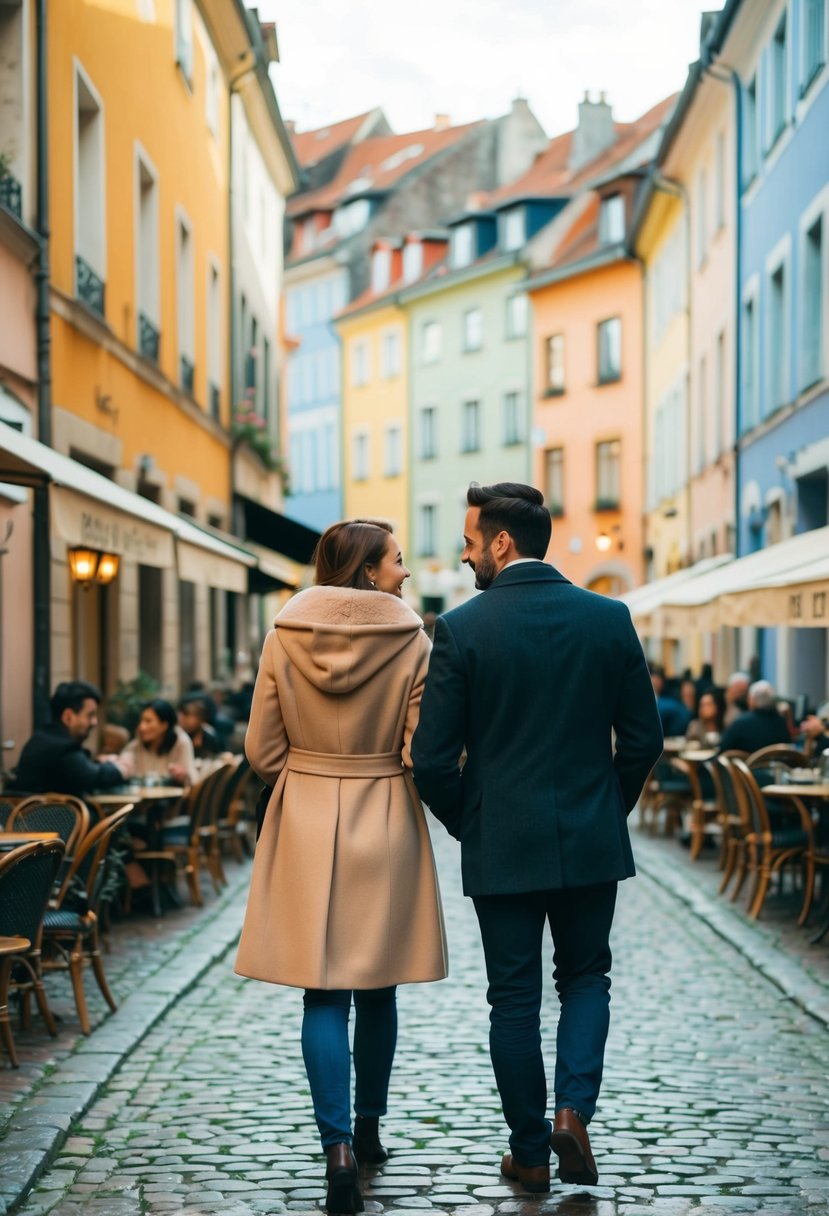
(89, 565)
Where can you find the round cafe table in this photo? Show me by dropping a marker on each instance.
(147, 799)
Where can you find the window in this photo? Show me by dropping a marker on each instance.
(702, 217)
(390, 354)
(266, 379)
(428, 433)
(147, 260)
(471, 426)
(380, 270)
(412, 261)
(512, 418)
(555, 365)
(461, 246)
(517, 310)
(90, 207)
(360, 373)
(719, 181)
(813, 54)
(776, 337)
(185, 305)
(608, 456)
(610, 350)
(427, 529)
(432, 340)
(360, 455)
(212, 94)
(814, 305)
(701, 427)
(393, 450)
(720, 397)
(612, 220)
(352, 217)
(473, 329)
(779, 79)
(514, 228)
(214, 339)
(750, 386)
(554, 480)
(751, 132)
(184, 37)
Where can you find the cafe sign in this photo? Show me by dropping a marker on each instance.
(83, 521)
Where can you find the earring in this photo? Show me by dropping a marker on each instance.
(374, 585)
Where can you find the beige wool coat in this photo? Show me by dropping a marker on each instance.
(343, 892)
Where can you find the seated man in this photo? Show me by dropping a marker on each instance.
(760, 726)
(192, 718)
(673, 715)
(54, 760)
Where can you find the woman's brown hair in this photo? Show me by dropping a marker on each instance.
(345, 549)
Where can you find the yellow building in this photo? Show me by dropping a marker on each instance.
(139, 193)
(375, 397)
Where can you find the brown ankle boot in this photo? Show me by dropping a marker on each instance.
(343, 1186)
(571, 1144)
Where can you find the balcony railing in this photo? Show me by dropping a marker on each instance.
(188, 372)
(148, 338)
(11, 195)
(89, 288)
(215, 401)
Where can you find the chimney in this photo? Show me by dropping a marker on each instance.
(442, 122)
(594, 132)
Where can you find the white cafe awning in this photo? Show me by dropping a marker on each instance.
(89, 509)
(758, 589)
(644, 601)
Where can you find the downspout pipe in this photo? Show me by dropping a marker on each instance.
(727, 75)
(41, 555)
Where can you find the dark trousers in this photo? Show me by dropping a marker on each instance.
(512, 929)
(328, 1059)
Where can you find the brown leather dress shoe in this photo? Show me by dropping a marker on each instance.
(571, 1144)
(534, 1178)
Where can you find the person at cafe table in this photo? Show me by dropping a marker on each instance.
(161, 750)
(54, 760)
(760, 726)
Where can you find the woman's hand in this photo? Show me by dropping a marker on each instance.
(179, 773)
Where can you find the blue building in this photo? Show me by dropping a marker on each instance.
(779, 50)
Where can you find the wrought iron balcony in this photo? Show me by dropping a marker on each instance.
(188, 372)
(89, 287)
(148, 338)
(11, 195)
(215, 401)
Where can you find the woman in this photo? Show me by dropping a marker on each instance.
(344, 896)
(161, 748)
(709, 720)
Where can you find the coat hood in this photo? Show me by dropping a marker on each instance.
(339, 637)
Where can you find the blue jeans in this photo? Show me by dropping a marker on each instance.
(512, 928)
(328, 1061)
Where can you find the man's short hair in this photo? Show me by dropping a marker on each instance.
(761, 695)
(71, 694)
(510, 506)
(194, 705)
(738, 677)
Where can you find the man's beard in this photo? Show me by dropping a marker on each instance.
(485, 572)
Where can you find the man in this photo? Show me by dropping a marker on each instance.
(760, 726)
(532, 678)
(674, 716)
(192, 718)
(54, 759)
(736, 693)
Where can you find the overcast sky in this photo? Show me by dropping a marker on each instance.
(469, 58)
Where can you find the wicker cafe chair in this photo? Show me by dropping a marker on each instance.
(60, 813)
(10, 949)
(667, 789)
(770, 848)
(181, 843)
(26, 877)
(70, 935)
(8, 802)
(235, 824)
(705, 810)
(728, 816)
(778, 753)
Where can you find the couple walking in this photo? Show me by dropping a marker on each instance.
(353, 725)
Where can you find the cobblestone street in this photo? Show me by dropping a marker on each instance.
(715, 1094)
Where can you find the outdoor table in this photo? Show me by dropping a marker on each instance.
(13, 840)
(818, 791)
(698, 755)
(144, 797)
(674, 744)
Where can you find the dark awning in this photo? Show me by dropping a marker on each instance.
(277, 532)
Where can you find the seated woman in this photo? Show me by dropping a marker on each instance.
(161, 748)
(709, 720)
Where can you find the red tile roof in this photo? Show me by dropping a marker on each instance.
(434, 251)
(376, 164)
(313, 146)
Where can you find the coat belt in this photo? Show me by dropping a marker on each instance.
(333, 764)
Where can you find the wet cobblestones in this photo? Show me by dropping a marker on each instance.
(716, 1095)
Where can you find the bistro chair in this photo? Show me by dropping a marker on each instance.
(237, 827)
(705, 809)
(26, 877)
(7, 804)
(778, 753)
(769, 849)
(180, 839)
(70, 934)
(60, 813)
(667, 791)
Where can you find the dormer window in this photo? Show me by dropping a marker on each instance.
(412, 261)
(514, 229)
(612, 219)
(352, 217)
(380, 270)
(462, 246)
